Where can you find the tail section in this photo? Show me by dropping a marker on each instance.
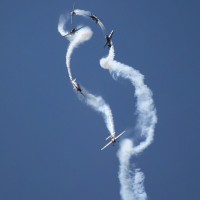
(108, 137)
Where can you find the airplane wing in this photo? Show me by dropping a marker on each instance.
(105, 44)
(111, 34)
(106, 145)
(69, 33)
(120, 135)
(79, 28)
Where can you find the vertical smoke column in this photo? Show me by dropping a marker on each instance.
(98, 104)
(132, 180)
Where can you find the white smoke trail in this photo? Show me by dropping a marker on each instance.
(98, 104)
(78, 38)
(83, 13)
(130, 188)
(87, 14)
(132, 182)
(61, 24)
(81, 36)
(95, 102)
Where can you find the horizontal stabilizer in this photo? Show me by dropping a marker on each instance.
(108, 137)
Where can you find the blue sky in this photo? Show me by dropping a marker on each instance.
(50, 141)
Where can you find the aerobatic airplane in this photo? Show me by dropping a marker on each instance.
(97, 20)
(94, 18)
(109, 39)
(113, 139)
(73, 31)
(76, 86)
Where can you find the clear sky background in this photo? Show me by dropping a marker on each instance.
(50, 141)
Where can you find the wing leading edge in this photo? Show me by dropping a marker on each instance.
(106, 145)
(120, 135)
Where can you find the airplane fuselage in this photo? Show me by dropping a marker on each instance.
(109, 39)
(94, 18)
(113, 140)
(73, 30)
(77, 87)
(73, 13)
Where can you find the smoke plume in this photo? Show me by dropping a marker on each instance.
(132, 181)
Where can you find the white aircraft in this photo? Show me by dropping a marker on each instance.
(113, 139)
